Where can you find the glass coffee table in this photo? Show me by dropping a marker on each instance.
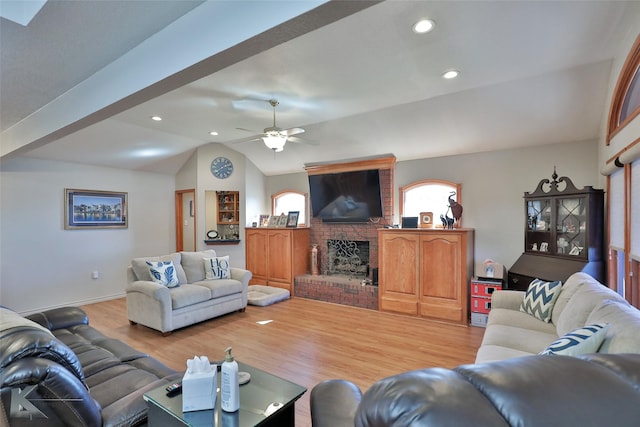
(255, 397)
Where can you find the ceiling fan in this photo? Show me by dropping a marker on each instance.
(274, 137)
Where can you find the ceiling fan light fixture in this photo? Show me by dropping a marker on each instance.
(275, 141)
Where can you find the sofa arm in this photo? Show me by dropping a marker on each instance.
(151, 289)
(60, 318)
(242, 275)
(51, 394)
(334, 403)
(507, 299)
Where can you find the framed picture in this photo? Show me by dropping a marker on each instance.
(426, 219)
(273, 221)
(264, 220)
(292, 218)
(282, 220)
(94, 209)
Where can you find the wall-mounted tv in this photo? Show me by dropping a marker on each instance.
(346, 196)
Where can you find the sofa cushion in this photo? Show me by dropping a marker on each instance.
(540, 298)
(189, 294)
(163, 273)
(221, 287)
(570, 287)
(585, 299)
(579, 341)
(193, 264)
(141, 269)
(217, 268)
(623, 335)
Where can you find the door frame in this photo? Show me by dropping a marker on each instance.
(180, 215)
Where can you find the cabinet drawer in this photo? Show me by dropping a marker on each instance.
(483, 289)
(480, 305)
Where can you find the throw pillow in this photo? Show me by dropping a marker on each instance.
(579, 341)
(217, 268)
(540, 298)
(163, 273)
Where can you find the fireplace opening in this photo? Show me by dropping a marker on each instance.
(348, 258)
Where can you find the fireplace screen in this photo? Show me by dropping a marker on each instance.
(348, 257)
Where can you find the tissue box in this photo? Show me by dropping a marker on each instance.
(199, 390)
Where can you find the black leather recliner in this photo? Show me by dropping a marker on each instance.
(599, 390)
(70, 374)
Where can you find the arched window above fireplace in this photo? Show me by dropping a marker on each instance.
(429, 195)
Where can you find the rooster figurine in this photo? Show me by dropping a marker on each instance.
(456, 208)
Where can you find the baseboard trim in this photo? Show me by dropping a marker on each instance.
(75, 303)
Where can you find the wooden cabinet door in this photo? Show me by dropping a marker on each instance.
(398, 261)
(280, 258)
(257, 258)
(442, 276)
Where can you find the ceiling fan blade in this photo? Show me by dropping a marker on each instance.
(293, 131)
(302, 141)
(246, 139)
(248, 130)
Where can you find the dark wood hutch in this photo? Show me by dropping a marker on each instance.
(563, 233)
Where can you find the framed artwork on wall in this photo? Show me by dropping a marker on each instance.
(94, 209)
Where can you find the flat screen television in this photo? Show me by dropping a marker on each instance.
(346, 196)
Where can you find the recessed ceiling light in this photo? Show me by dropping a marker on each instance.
(451, 74)
(423, 26)
(213, 133)
(156, 118)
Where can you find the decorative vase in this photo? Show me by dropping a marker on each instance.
(315, 269)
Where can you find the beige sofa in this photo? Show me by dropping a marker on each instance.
(582, 301)
(193, 300)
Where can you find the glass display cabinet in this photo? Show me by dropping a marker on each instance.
(563, 233)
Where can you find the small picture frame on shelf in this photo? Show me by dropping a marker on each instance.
(292, 219)
(273, 221)
(426, 220)
(264, 220)
(282, 220)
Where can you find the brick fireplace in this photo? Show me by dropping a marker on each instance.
(347, 288)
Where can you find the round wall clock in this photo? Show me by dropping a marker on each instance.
(221, 167)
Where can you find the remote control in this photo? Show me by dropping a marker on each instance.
(174, 389)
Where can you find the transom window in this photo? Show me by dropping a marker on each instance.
(430, 195)
(290, 201)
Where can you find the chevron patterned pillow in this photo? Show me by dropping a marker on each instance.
(579, 341)
(540, 298)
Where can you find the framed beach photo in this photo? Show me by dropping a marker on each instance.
(94, 209)
(292, 218)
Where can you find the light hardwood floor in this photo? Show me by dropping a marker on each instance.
(306, 342)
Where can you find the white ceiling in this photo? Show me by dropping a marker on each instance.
(532, 73)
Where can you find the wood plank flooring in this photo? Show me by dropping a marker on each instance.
(307, 342)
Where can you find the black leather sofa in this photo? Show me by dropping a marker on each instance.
(532, 391)
(56, 370)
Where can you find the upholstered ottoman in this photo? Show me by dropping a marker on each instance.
(266, 295)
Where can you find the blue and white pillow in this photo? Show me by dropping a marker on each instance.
(217, 268)
(540, 298)
(163, 273)
(579, 341)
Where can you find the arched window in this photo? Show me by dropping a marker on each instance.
(625, 105)
(290, 201)
(429, 195)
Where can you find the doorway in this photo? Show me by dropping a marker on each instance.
(186, 220)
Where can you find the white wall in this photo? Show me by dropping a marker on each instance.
(42, 265)
(493, 186)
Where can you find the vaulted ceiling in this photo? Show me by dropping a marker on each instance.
(81, 81)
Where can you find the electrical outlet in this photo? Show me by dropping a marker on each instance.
(95, 275)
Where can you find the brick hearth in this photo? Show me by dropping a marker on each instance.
(336, 289)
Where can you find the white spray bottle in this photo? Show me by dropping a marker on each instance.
(230, 392)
